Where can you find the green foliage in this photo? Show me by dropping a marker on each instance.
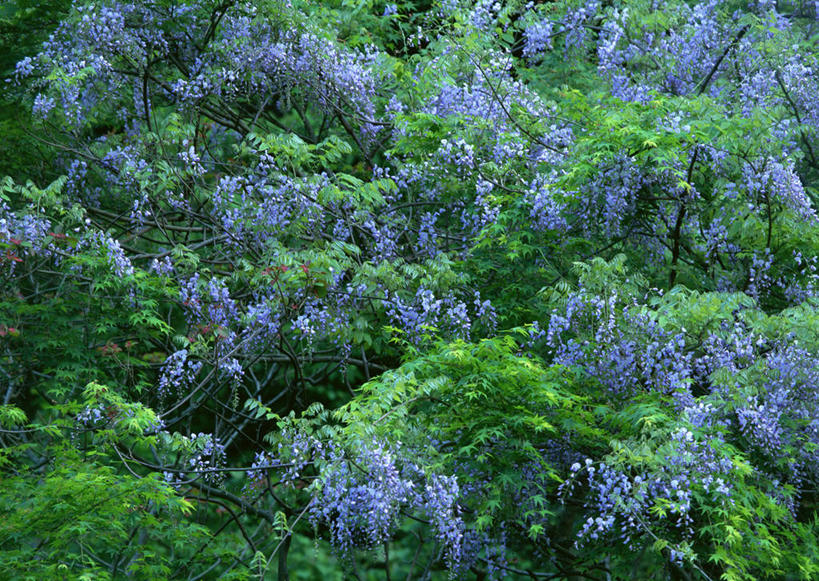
(75, 513)
(605, 335)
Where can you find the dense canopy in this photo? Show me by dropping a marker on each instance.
(430, 290)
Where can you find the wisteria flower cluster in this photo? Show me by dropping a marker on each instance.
(364, 493)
